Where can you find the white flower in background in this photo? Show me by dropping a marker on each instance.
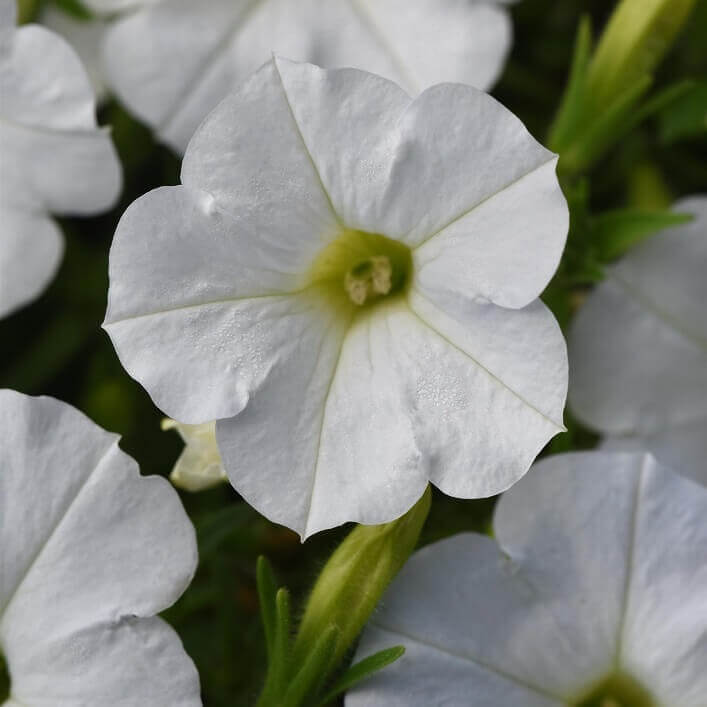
(347, 282)
(53, 157)
(172, 62)
(85, 35)
(592, 594)
(90, 551)
(638, 348)
(199, 467)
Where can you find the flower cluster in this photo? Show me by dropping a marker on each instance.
(339, 308)
(44, 113)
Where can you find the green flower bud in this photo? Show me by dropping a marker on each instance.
(634, 42)
(355, 577)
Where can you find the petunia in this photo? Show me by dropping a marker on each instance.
(592, 594)
(347, 281)
(85, 35)
(199, 466)
(90, 552)
(54, 159)
(171, 62)
(638, 348)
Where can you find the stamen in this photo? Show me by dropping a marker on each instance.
(371, 278)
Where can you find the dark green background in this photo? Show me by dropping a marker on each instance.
(56, 347)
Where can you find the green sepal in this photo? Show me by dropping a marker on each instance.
(355, 577)
(362, 670)
(616, 232)
(314, 669)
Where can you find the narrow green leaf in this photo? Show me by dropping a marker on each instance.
(361, 671)
(686, 116)
(315, 667)
(615, 232)
(609, 127)
(266, 594)
(281, 644)
(278, 650)
(661, 100)
(572, 106)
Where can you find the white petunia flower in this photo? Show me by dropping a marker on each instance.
(171, 62)
(199, 466)
(638, 348)
(347, 282)
(593, 594)
(53, 157)
(90, 552)
(86, 38)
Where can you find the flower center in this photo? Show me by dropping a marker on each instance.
(4, 680)
(618, 691)
(361, 268)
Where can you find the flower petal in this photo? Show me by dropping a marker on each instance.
(86, 37)
(59, 97)
(36, 242)
(665, 624)
(132, 662)
(82, 177)
(250, 157)
(405, 402)
(199, 465)
(401, 168)
(639, 344)
(172, 62)
(198, 307)
(582, 582)
(81, 535)
(682, 448)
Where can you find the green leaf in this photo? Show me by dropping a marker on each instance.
(266, 593)
(615, 232)
(361, 671)
(572, 107)
(686, 116)
(314, 669)
(606, 129)
(281, 643)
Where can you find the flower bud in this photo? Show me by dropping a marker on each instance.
(355, 577)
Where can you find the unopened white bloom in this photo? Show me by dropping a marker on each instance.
(638, 348)
(172, 62)
(53, 157)
(347, 282)
(90, 552)
(199, 466)
(592, 594)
